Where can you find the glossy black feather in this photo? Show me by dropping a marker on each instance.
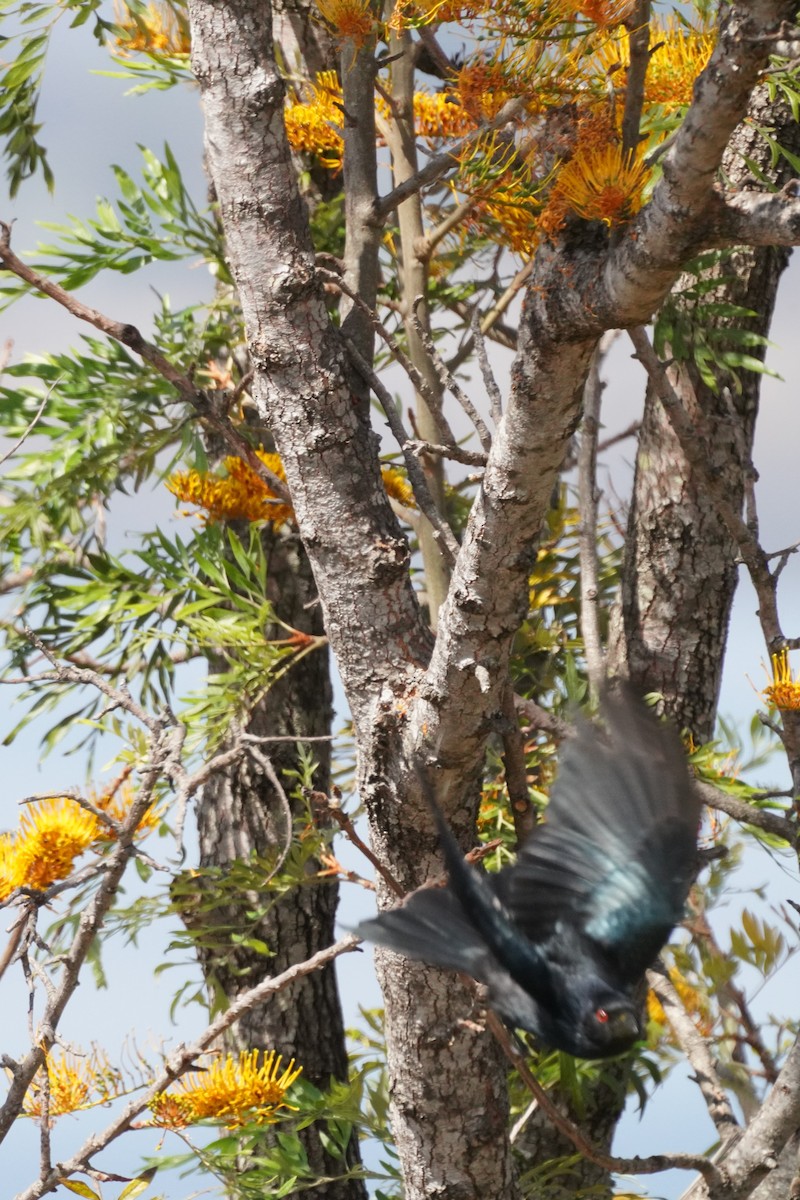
(562, 938)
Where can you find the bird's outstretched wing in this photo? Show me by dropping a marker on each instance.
(616, 855)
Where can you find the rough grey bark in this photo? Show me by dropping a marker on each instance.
(680, 569)
(411, 704)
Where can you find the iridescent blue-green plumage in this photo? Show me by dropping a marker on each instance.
(562, 938)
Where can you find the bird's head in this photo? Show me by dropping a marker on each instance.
(609, 1026)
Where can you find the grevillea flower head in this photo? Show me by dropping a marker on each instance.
(52, 834)
(314, 126)
(604, 185)
(74, 1082)
(784, 690)
(239, 495)
(160, 29)
(235, 1089)
(351, 20)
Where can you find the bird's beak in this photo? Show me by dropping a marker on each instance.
(626, 1025)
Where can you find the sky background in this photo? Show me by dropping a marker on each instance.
(88, 124)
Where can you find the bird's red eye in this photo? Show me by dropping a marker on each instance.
(601, 1015)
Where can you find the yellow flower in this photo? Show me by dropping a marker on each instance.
(784, 691)
(605, 14)
(440, 116)
(603, 184)
(52, 834)
(160, 29)
(678, 53)
(398, 487)
(10, 874)
(351, 20)
(241, 495)
(75, 1082)
(117, 803)
(694, 1002)
(314, 126)
(233, 1089)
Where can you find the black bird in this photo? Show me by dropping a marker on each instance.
(562, 938)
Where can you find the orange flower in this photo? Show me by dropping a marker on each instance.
(160, 29)
(351, 20)
(784, 691)
(234, 1089)
(241, 495)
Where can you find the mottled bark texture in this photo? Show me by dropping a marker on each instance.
(680, 569)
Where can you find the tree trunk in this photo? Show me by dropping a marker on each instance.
(680, 568)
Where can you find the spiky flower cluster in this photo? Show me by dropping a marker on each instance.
(238, 495)
(242, 495)
(161, 29)
(351, 20)
(694, 1002)
(74, 1082)
(314, 126)
(784, 691)
(234, 1089)
(53, 833)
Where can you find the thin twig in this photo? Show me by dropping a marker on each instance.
(587, 532)
(621, 1166)
(442, 531)
(397, 352)
(184, 1056)
(487, 374)
(748, 814)
(210, 408)
(638, 25)
(34, 422)
(272, 775)
(439, 165)
(333, 806)
(448, 379)
(539, 718)
(470, 458)
(696, 1051)
(494, 313)
(516, 769)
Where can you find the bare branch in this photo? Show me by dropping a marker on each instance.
(759, 219)
(489, 381)
(638, 26)
(206, 406)
(587, 534)
(448, 380)
(622, 1166)
(697, 1052)
(748, 814)
(442, 532)
(397, 352)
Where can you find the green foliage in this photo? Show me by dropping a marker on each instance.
(695, 325)
(25, 50)
(154, 221)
